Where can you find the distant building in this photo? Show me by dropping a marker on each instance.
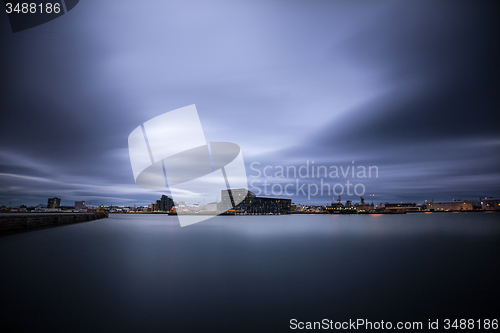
(490, 204)
(210, 207)
(449, 206)
(228, 196)
(165, 204)
(336, 207)
(363, 206)
(402, 207)
(54, 203)
(251, 204)
(79, 204)
(297, 208)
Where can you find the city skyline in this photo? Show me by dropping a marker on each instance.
(167, 203)
(409, 88)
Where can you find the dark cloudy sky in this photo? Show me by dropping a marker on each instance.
(409, 86)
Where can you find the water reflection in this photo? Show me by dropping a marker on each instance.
(249, 273)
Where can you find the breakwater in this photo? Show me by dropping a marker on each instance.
(12, 223)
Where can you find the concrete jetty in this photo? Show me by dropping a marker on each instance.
(13, 223)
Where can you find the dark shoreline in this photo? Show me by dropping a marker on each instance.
(15, 223)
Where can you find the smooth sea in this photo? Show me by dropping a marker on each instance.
(144, 273)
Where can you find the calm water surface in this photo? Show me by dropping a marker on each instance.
(249, 273)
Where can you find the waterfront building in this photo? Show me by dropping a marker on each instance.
(152, 207)
(270, 205)
(490, 204)
(449, 206)
(79, 204)
(54, 203)
(349, 208)
(228, 197)
(210, 207)
(402, 207)
(251, 204)
(363, 206)
(298, 207)
(165, 204)
(339, 208)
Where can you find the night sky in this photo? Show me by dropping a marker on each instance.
(409, 86)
